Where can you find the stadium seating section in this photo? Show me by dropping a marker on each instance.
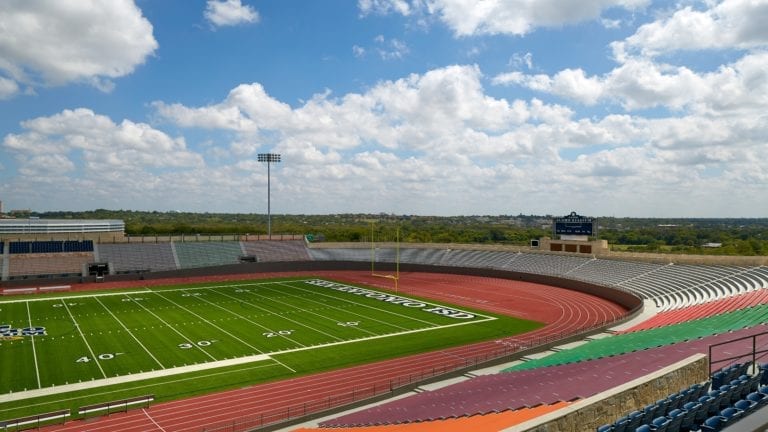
(50, 246)
(696, 307)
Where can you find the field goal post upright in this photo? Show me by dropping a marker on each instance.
(396, 276)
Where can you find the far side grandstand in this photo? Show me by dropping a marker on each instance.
(33, 248)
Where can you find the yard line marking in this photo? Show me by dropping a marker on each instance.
(152, 420)
(247, 319)
(190, 341)
(332, 307)
(282, 317)
(202, 366)
(212, 324)
(77, 326)
(34, 351)
(371, 307)
(130, 333)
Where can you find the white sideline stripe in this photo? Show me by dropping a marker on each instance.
(77, 326)
(144, 291)
(130, 333)
(34, 350)
(129, 378)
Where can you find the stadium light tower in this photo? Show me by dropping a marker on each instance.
(269, 158)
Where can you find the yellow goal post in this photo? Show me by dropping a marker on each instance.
(395, 277)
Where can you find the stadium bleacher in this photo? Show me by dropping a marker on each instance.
(55, 264)
(699, 306)
(204, 254)
(133, 257)
(272, 251)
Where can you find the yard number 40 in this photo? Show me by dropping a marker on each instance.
(104, 356)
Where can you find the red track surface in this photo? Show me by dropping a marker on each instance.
(564, 312)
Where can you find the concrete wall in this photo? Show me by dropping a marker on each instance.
(607, 407)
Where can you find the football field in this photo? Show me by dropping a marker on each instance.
(56, 341)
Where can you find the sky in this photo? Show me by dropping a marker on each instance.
(626, 108)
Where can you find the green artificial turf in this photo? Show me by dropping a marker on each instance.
(299, 326)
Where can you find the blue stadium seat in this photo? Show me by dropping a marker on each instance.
(605, 428)
(635, 420)
(731, 415)
(644, 428)
(745, 405)
(689, 418)
(649, 413)
(706, 403)
(719, 378)
(758, 397)
(675, 401)
(20, 247)
(675, 417)
(764, 374)
(712, 424)
(660, 423)
(620, 425)
(49, 246)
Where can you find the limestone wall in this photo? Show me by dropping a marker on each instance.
(607, 407)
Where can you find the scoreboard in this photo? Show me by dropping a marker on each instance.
(575, 224)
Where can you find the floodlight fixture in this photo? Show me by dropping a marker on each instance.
(269, 159)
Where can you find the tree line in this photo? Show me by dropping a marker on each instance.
(700, 236)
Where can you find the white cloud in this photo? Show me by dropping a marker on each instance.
(384, 6)
(512, 17)
(431, 143)
(222, 13)
(8, 88)
(104, 146)
(358, 51)
(728, 24)
(56, 43)
(393, 49)
(640, 84)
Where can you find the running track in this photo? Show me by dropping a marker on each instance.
(564, 312)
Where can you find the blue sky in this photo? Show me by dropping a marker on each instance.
(434, 107)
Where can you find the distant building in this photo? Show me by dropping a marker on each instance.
(62, 229)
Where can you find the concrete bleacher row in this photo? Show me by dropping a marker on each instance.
(63, 264)
(567, 375)
(138, 257)
(142, 257)
(669, 286)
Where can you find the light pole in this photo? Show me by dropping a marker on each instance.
(269, 158)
